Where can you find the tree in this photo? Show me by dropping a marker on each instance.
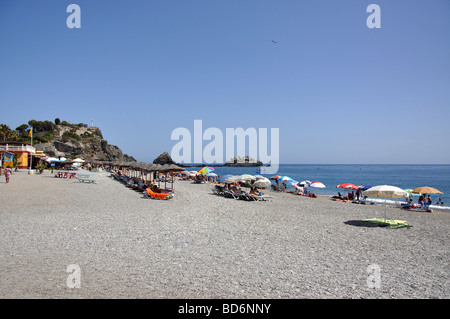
(6, 134)
(57, 121)
(21, 129)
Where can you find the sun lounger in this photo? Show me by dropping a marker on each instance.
(261, 197)
(245, 196)
(83, 178)
(148, 193)
(218, 190)
(231, 194)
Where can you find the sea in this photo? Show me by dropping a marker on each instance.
(331, 175)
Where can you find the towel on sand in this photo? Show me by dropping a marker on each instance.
(388, 223)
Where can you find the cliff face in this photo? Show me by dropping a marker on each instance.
(84, 142)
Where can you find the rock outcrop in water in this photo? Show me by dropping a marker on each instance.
(164, 158)
(246, 161)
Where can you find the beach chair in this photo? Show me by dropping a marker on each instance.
(230, 194)
(261, 197)
(84, 178)
(218, 190)
(148, 193)
(245, 196)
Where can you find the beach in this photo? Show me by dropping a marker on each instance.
(201, 245)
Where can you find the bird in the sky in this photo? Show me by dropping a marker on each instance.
(274, 41)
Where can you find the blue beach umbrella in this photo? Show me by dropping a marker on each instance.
(284, 179)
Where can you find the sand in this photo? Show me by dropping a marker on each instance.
(201, 245)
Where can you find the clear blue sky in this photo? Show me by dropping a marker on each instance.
(338, 91)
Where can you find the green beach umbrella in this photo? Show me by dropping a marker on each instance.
(245, 177)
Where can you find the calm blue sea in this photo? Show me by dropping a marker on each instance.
(403, 176)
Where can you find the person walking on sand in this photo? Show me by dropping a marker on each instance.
(7, 174)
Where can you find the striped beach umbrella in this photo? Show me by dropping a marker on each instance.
(228, 178)
(205, 170)
(284, 179)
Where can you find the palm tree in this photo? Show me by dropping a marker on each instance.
(7, 134)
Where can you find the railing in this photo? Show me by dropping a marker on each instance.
(15, 148)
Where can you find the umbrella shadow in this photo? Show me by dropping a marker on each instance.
(361, 223)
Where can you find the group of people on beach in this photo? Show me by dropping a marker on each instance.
(425, 200)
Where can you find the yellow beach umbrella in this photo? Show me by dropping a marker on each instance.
(426, 190)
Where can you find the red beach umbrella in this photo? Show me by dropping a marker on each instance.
(348, 186)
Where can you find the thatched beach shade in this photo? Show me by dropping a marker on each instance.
(137, 168)
(166, 168)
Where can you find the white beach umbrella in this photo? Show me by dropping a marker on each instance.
(385, 191)
(262, 182)
(305, 183)
(211, 174)
(317, 185)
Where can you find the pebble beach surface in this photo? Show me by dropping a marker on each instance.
(201, 245)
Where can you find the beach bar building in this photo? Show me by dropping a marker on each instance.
(22, 153)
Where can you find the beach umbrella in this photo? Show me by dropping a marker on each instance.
(245, 177)
(78, 160)
(409, 191)
(262, 182)
(284, 179)
(228, 178)
(317, 185)
(426, 190)
(260, 177)
(304, 183)
(385, 191)
(52, 159)
(364, 187)
(275, 177)
(347, 186)
(205, 170)
(211, 174)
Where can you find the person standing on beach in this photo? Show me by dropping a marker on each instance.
(7, 174)
(421, 200)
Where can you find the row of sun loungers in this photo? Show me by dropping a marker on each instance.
(240, 195)
(142, 187)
